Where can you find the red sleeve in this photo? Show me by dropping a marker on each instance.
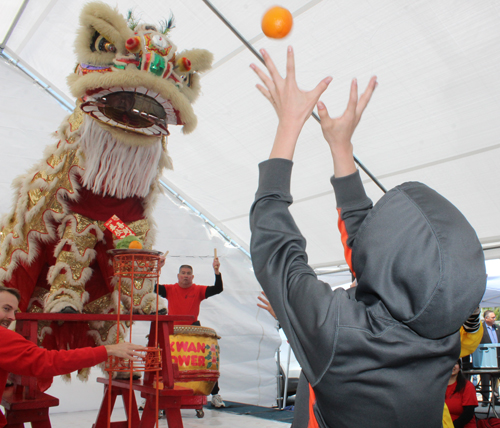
(353, 205)
(20, 356)
(469, 397)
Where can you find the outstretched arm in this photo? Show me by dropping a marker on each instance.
(217, 288)
(352, 203)
(300, 301)
(23, 357)
(293, 106)
(338, 131)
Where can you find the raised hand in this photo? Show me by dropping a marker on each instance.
(338, 131)
(292, 105)
(216, 265)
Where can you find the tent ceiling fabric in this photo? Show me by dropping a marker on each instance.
(433, 118)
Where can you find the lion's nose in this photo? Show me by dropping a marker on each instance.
(133, 44)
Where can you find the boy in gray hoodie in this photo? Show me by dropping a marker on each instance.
(380, 355)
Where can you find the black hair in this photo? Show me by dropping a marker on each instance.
(461, 380)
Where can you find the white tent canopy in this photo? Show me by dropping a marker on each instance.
(433, 118)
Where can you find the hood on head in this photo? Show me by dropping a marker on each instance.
(417, 253)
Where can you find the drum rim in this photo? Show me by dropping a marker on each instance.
(190, 331)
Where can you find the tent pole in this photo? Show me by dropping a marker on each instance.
(285, 390)
(259, 57)
(279, 378)
(234, 30)
(211, 223)
(14, 23)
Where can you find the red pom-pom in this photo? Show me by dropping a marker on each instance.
(133, 44)
(186, 63)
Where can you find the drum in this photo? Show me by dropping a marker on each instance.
(195, 350)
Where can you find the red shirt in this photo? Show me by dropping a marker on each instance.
(185, 301)
(20, 356)
(456, 401)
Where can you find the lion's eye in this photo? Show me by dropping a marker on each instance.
(109, 47)
(102, 45)
(105, 46)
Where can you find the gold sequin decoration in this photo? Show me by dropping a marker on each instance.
(138, 284)
(21, 246)
(101, 305)
(82, 242)
(105, 331)
(60, 282)
(148, 308)
(76, 266)
(76, 118)
(34, 196)
(55, 160)
(83, 222)
(37, 223)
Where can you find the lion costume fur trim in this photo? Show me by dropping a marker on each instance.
(100, 17)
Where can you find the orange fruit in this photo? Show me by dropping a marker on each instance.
(277, 22)
(135, 245)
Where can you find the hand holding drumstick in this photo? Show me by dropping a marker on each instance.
(216, 263)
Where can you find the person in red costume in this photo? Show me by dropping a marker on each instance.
(461, 398)
(185, 297)
(20, 356)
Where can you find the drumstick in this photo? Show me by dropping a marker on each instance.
(215, 253)
(166, 253)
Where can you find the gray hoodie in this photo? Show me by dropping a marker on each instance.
(381, 358)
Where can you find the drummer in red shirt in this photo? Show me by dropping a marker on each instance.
(461, 399)
(185, 297)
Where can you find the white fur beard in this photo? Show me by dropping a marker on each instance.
(113, 168)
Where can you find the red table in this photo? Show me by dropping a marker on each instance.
(24, 403)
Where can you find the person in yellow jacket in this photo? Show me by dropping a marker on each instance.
(470, 337)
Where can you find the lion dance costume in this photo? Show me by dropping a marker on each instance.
(130, 85)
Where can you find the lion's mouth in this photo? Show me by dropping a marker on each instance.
(133, 109)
